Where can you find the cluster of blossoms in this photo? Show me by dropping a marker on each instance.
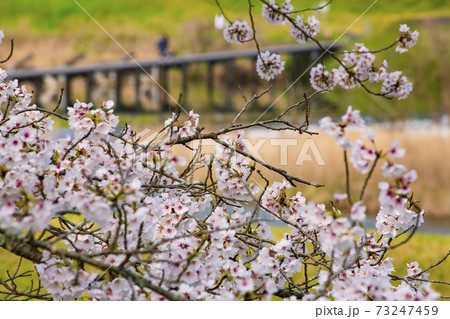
(175, 130)
(302, 31)
(271, 13)
(396, 85)
(269, 65)
(360, 62)
(362, 156)
(407, 39)
(358, 67)
(295, 209)
(321, 79)
(239, 32)
(233, 170)
(372, 279)
(417, 290)
(395, 204)
(336, 129)
(58, 277)
(84, 120)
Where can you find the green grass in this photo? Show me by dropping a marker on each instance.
(9, 263)
(427, 249)
(141, 19)
(157, 15)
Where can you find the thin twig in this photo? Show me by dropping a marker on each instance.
(11, 51)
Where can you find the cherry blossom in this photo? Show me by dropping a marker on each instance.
(83, 119)
(302, 30)
(359, 61)
(339, 196)
(396, 85)
(219, 21)
(391, 169)
(407, 39)
(321, 79)
(358, 212)
(394, 151)
(232, 170)
(175, 130)
(362, 156)
(352, 117)
(239, 32)
(269, 65)
(274, 17)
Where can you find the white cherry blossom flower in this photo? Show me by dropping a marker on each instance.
(302, 30)
(239, 32)
(321, 79)
(396, 85)
(407, 39)
(219, 21)
(269, 65)
(271, 14)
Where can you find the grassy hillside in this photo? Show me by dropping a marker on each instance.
(59, 30)
(58, 16)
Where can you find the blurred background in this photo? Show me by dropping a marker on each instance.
(61, 35)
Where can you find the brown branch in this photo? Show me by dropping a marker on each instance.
(223, 12)
(20, 248)
(11, 51)
(76, 143)
(347, 178)
(291, 179)
(125, 272)
(248, 102)
(312, 9)
(369, 175)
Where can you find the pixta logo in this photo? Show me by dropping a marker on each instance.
(276, 151)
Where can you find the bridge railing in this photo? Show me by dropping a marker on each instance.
(107, 80)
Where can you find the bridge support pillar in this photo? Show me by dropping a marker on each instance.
(184, 84)
(89, 86)
(137, 90)
(37, 89)
(154, 87)
(67, 98)
(118, 91)
(229, 86)
(164, 101)
(210, 84)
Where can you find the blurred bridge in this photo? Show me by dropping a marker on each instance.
(131, 86)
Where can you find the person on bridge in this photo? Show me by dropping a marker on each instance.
(163, 43)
